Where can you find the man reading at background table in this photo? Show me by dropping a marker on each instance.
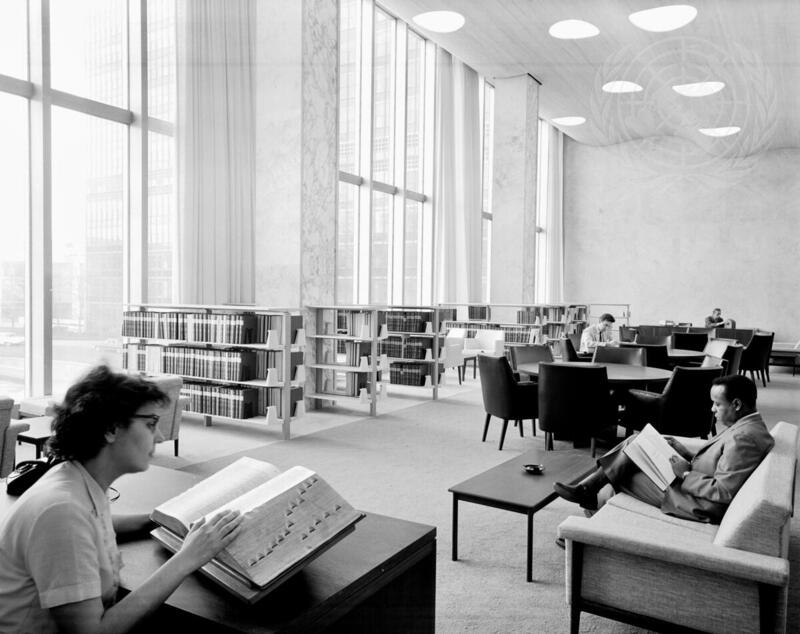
(716, 320)
(597, 334)
(706, 481)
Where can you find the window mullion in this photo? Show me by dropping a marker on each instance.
(364, 218)
(134, 244)
(400, 114)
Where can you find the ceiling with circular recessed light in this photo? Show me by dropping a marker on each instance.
(723, 64)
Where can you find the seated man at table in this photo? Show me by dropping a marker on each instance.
(598, 334)
(706, 481)
(716, 320)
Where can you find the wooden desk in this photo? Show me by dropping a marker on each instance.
(382, 577)
(618, 373)
(509, 487)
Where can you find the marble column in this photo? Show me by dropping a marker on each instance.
(514, 191)
(296, 152)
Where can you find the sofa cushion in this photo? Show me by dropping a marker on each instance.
(631, 504)
(758, 517)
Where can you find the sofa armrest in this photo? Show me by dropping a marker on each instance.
(656, 543)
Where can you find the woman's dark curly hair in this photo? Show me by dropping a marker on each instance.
(99, 402)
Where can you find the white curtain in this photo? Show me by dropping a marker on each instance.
(457, 182)
(550, 216)
(216, 153)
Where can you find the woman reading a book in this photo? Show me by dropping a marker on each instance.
(59, 563)
(702, 484)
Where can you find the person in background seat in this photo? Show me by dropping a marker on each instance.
(597, 334)
(716, 320)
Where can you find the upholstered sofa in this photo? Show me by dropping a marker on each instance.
(8, 436)
(632, 563)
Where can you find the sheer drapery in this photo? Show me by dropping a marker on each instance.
(550, 217)
(457, 182)
(216, 151)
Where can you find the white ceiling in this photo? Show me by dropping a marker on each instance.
(751, 45)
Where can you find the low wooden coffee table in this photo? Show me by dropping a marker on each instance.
(38, 434)
(509, 487)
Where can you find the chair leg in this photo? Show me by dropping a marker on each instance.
(176, 447)
(763, 377)
(458, 369)
(533, 424)
(548, 441)
(593, 446)
(474, 367)
(503, 433)
(486, 426)
(767, 371)
(519, 424)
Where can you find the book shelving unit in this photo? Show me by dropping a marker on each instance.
(342, 362)
(354, 352)
(522, 324)
(237, 362)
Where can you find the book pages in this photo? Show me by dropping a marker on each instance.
(651, 453)
(206, 497)
(288, 525)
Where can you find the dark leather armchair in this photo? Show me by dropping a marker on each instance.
(504, 397)
(653, 340)
(530, 354)
(574, 403)
(682, 409)
(742, 335)
(689, 340)
(624, 356)
(626, 333)
(755, 356)
(733, 358)
(569, 353)
(656, 356)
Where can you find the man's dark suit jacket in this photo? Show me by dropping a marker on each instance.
(719, 469)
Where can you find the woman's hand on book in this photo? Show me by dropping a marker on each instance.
(206, 538)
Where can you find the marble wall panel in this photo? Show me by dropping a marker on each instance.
(675, 233)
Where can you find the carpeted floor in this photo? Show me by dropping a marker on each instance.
(402, 463)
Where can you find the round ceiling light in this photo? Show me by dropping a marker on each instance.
(569, 120)
(662, 19)
(440, 21)
(718, 132)
(573, 30)
(699, 89)
(620, 85)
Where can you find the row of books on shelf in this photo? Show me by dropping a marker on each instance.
(522, 334)
(408, 320)
(238, 328)
(237, 402)
(210, 363)
(401, 373)
(410, 348)
(545, 314)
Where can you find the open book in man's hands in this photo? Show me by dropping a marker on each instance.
(651, 453)
(290, 517)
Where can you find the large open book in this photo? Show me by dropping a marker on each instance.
(651, 453)
(290, 517)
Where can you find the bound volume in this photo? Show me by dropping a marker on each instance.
(290, 518)
(651, 453)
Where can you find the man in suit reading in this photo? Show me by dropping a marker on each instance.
(706, 481)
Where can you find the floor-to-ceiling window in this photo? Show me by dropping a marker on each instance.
(487, 175)
(385, 224)
(384, 221)
(78, 145)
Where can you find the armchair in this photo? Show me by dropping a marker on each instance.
(8, 436)
(453, 356)
(504, 397)
(682, 409)
(575, 403)
(755, 356)
(489, 342)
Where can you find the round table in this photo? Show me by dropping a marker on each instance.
(618, 373)
(678, 355)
